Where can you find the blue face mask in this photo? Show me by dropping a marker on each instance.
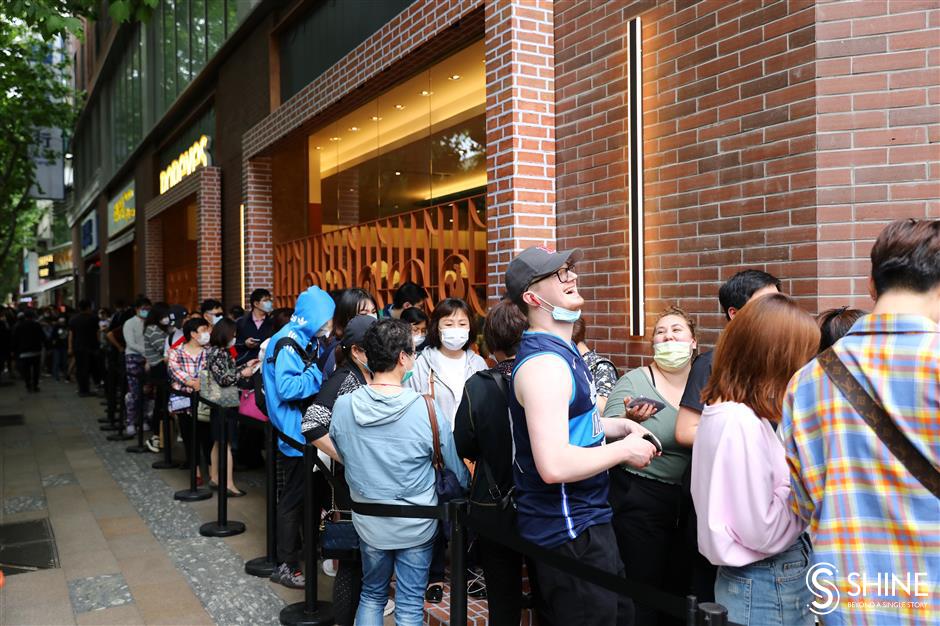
(267, 306)
(409, 373)
(559, 314)
(143, 313)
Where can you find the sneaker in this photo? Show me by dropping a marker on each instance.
(284, 575)
(389, 608)
(329, 567)
(153, 443)
(476, 585)
(130, 431)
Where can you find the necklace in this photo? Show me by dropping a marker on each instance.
(384, 385)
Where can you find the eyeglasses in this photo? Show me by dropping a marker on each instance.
(563, 274)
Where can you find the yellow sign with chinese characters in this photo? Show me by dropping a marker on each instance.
(122, 210)
(196, 156)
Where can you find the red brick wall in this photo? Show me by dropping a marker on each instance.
(259, 244)
(153, 260)
(520, 132)
(209, 214)
(878, 92)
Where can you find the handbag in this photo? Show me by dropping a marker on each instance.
(880, 422)
(338, 536)
(179, 403)
(445, 480)
(248, 407)
(214, 392)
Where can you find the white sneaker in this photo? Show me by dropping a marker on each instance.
(389, 608)
(329, 568)
(153, 443)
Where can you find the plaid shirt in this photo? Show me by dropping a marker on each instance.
(182, 367)
(866, 513)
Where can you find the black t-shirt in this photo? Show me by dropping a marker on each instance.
(698, 378)
(84, 327)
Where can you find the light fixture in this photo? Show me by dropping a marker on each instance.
(400, 107)
(376, 118)
(454, 77)
(68, 155)
(334, 138)
(425, 92)
(354, 129)
(635, 236)
(397, 173)
(319, 148)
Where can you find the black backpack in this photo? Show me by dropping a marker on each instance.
(258, 381)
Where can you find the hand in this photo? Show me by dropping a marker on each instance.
(639, 413)
(251, 342)
(193, 384)
(249, 369)
(637, 452)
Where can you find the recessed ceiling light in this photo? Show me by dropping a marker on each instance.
(397, 173)
(376, 118)
(354, 129)
(454, 77)
(400, 107)
(319, 148)
(425, 92)
(334, 138)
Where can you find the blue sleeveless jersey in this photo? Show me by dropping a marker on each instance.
(550, 515)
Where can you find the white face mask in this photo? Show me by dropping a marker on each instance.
(325, 330)
(454, 338)
(419, 339)
(215, 319)
(203, 339)
(165, 321)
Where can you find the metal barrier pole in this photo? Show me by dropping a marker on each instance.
(263, 566)
(713, 614)
(160, 404)
(110, 390)
(458, 564)
(222, 527)
(312, 611)
(193, 493)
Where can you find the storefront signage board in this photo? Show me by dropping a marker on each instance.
(190, 160)
(121, 210)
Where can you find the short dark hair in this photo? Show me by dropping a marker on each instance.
(258, 295)
(906, 256)
(222, 333)
(409, 292)
(347, 307)
(384, 341)
(446, 308)
(739, 288)
(280, 317)
(192, 325)
(208, 305)
(413, 315)
(158, 311)
(503, 328)
(236, 311)
(142, 301)
(834, 323)
(84, 304)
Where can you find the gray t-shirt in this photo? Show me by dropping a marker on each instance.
(134, 336)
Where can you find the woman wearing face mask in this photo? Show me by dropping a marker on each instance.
(648, 503)
(419, 326)
(220, 363)
(156, 330)
(184, 364)
(351, 302)
(441, 370)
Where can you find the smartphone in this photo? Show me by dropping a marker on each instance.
(640, 401)
(653, 440)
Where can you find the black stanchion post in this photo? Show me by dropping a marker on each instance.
(160, 404)
(691, 610)
(713, 614)
(222, 527)
(263, 566)
(312, 611)
(193, 493)
(456, 510)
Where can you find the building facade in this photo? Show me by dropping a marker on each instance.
(363, 143)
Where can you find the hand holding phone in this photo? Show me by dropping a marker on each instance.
(640, 409)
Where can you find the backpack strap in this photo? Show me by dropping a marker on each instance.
(879, 421)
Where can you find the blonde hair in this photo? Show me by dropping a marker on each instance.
(674, 310)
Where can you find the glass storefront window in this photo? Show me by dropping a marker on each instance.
(422, 143)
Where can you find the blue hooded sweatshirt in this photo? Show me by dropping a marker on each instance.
(287, 380)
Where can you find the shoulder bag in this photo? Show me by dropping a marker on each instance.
(445, 480)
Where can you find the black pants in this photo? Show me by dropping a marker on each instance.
(290, 509)
(29, 370)
(571, 600)
(649, 522)
(83, 365)
(203, 443)
(347, 586)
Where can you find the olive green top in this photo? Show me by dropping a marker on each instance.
(675, 459)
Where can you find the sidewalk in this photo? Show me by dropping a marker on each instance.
(125, 551)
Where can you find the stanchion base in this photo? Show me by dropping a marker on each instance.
(104, 420)
(192, 495)
(296, 615)
(120, 436)
(215, 529)
(164, 465)
(262, 567)
(137, 449)
(110, 428)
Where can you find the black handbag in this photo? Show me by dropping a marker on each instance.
(338, 536)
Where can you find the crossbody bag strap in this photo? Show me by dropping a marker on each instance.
(437, 459)
(880, 422)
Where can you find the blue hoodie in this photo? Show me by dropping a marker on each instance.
(288, 380)
(386, 445)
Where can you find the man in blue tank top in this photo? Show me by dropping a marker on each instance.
(562, 447)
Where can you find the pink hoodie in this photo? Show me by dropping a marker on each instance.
(740, 485)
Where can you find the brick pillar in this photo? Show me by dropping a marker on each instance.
(878, 128)
(520, 131)
(154, 272)
(209, 251)
(259, 244)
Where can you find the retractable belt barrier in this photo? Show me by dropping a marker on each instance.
(264, 566)
(194, 493)
(223, 526)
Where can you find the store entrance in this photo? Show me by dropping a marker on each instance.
(179, 225)
(121, 271)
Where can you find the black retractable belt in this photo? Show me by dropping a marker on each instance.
(263, 566)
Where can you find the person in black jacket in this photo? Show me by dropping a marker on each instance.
(254, 326)
(482, 434)
(28, 341)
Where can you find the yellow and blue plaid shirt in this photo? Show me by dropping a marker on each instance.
(868, 516)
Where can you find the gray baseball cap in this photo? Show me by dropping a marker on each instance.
(533, 264)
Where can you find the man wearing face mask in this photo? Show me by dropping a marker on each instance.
(563, 448)
(212, 311)
(255, 325)
(134, 362)
(291, 377)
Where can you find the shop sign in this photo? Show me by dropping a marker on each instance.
(89, 233)
(62, 260)
(190, 160)
(121, 210)
(46, 265)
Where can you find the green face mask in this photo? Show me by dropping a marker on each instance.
(409, 373)
(672, 355)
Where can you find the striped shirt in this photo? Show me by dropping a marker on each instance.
(870, 520)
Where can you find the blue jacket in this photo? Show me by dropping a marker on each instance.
(386, 446)
(287, 380)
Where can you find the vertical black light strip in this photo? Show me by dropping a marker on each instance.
(637, 307)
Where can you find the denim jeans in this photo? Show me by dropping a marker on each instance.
(411, 567)
(771, 592)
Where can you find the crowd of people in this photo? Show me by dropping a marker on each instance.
(726, 474)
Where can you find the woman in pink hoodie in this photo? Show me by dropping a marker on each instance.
(740, 478)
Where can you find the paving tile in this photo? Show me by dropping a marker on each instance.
(22, 504)
(149, 569)
(121, 525)
(98, 592)
(88, 563)
(134, 544)
(126, 615)
(59, 480)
